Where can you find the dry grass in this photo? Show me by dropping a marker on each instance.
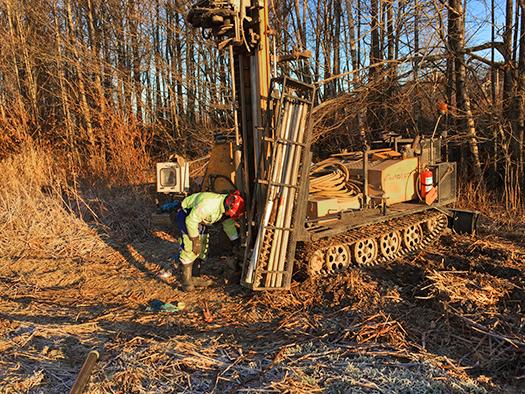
(123, 158)
(476, 196)
(36, 215)
(464, 287)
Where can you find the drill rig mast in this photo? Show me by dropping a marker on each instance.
(272, 154)
(242, 27)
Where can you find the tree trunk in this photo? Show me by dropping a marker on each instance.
(80, 77)
(519, 131)
(353, 50)
(20, 111)
(457, 44)
(508, 80)
(94, 39)
(400, 22)
(374, 97)
(28, 63)
(157, 55)
(135, 51)
(493, 90)
(178, 62)
(190, 79)
(375, 48)
(337, 44)
(62, 83)
(417, 103)
(359, 19)
(390, 30)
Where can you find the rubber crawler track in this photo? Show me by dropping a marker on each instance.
(376, 231)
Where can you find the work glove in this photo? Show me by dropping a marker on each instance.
(169, 206)
(196, 245)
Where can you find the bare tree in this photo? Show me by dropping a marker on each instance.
(457, 45)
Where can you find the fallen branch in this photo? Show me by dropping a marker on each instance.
(484, 330)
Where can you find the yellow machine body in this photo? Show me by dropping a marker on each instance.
(319, 207)
(220, 172)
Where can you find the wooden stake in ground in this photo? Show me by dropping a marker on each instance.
(85, 372)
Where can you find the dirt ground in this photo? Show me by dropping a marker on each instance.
(447, 320)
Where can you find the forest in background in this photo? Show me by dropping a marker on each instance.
(110, 85)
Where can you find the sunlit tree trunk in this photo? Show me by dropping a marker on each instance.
(80, 76)
(97, 60)
(62, 83)
(457, 45)
(20, 108)
(28, 62)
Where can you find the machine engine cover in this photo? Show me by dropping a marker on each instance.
(391, 180)
(318, 208)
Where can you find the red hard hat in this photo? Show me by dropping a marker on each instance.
(234, 205)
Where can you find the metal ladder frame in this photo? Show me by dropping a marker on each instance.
(282, 277)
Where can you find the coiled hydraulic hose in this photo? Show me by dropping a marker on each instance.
(331, 179)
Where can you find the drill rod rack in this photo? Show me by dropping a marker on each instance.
(286, 169)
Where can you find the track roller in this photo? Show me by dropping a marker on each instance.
(389, 244)
(412, 236)
(316, 263)
(338, 258)
(365, 251)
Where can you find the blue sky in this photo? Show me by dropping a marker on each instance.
(479, 19)
(478, 28)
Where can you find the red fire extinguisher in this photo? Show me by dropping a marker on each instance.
(427, 182)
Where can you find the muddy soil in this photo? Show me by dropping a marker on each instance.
(447, 320)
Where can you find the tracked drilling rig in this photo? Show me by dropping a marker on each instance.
(356, 208)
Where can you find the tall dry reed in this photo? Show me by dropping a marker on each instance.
(36, 215)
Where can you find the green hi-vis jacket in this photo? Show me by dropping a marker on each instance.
(207, 209)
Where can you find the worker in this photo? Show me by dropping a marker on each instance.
(199, 210)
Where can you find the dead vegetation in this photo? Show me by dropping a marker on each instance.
(76, 271)
(37, 215)
(78, 265)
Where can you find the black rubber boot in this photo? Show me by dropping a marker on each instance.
(190, 282)
(187, 279)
